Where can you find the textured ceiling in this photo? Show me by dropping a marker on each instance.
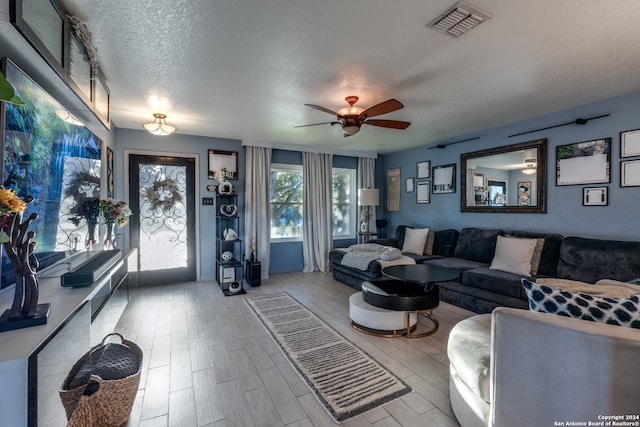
(244, 69)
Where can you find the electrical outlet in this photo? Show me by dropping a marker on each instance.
(207, 201)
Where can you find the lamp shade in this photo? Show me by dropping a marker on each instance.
(369, 196)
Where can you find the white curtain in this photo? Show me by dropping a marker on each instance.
(256, 203)
(317, 223)
(367, 179)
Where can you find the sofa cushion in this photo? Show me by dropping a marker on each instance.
(516, 255)
(415, 240)
(469, 353)
(589, 260)
(456, 263)
(496, 281)
(586, 306)
(477, 244)
(444, 242)
(550, 251)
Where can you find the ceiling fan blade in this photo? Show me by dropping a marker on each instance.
(326, 110)
(382, 108)
(393, 124)
(316, 124)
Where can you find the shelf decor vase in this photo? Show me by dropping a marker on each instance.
(110, 236)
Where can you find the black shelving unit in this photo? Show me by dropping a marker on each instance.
(229, 272)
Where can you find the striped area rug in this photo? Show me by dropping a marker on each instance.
(345, 379)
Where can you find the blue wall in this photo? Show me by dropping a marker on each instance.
(565, 213)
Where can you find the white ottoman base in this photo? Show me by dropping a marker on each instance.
(378, 321)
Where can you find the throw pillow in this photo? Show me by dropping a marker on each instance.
(537, 255)
(415, 240)
(514, 255)
(428, 246)
(604, 309)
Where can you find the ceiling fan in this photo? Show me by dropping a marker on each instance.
(351, 118)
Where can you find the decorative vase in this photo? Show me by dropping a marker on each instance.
(110, 236)
(92, 234)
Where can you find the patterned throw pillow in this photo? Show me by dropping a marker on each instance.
(613, 311)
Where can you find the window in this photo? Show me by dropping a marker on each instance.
(343, 202)
(286, 184)
(286, 201)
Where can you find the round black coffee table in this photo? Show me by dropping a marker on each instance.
(424, 274)
(412, 290)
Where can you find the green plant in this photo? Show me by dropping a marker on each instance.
(7, 93)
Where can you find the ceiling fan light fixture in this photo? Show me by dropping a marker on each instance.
(530, 168)
(351, 129)
(350, 111)
(159, 126)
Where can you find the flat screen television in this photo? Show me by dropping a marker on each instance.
(56, 162)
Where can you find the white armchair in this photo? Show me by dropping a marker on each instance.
(516, 367)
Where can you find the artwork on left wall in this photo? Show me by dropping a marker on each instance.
(44, 155)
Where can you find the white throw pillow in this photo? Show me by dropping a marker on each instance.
(415, 240)
(514, 255)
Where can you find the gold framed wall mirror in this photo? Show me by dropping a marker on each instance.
(508, 179)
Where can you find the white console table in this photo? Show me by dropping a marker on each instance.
(34, 361)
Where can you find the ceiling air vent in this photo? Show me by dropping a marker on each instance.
(459, 19)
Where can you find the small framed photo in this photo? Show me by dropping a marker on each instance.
(630, 173)
(219, 160)
(423, 169)
(630, 143)
(595, 196)
(444, 179)
(408, 185)
(422, 195)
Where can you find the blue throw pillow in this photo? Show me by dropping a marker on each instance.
(595, 308)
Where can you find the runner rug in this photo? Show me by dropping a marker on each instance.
(344, 378)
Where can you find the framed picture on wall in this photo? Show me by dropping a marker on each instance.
(422, 195)
(444, 179)
(584, 162)
(110, 183)
(630, 143)
(630, 173)
(393, 190)
(408, 185)
(423, 169)
(219, 160)
(595, 196)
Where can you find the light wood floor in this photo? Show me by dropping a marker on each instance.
(209, 362)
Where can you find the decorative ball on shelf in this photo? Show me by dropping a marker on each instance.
(227, 256)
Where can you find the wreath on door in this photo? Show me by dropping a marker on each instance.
(163, 194)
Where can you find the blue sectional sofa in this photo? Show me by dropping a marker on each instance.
(481, 289)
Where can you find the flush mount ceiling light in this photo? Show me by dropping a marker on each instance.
(159, 125)
(66, 116)
(459, 19)
(531, 167)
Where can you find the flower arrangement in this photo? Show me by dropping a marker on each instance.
(114, 212)
(10, 205)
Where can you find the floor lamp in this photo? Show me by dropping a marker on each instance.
(367, 197)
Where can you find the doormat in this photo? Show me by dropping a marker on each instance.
(346, 380)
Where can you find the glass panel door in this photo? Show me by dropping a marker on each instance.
(163, 220)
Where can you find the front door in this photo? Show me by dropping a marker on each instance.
(162, 195)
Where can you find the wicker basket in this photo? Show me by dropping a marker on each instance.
(111, 404)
